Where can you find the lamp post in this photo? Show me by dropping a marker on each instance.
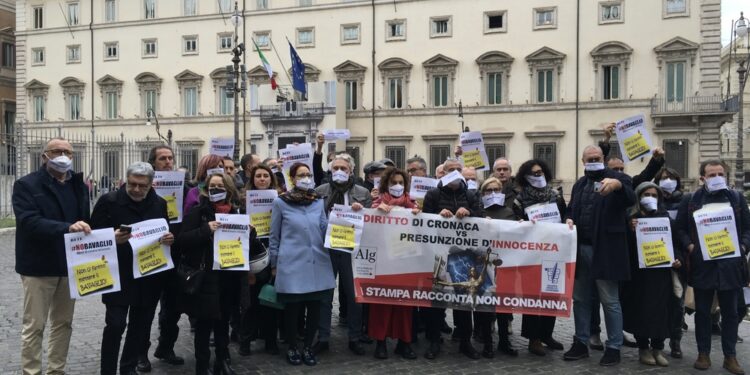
(740, 31)
(235, 73)
(149, 114)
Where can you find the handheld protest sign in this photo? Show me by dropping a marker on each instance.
(717, 232)
(473, 153)
(92, 263)
(170, 186)
(150, 256)
(344, 229)
(654, 241)
(258, 204)
(222, 147)
(633, 137)
(232, 243)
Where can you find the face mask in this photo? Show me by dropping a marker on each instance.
(538, 182)
(669, 185)
(305, 184)
(471, 184)
(649, 203)
(60, 164)
(217, 195)
(493, 199)
(340, 176)
(716, 183)
(396, 190)
(593, 167)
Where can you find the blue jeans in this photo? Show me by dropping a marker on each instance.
(729, 319)
(609, 295)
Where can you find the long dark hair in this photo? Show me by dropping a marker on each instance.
(390, 172)
(250, 185)
(525, 170)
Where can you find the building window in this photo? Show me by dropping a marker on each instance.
(675, 81)
(73, 54)
(305, 3)
(494, 88)
(546, 153)
(545, 18)
(73, 14)
(438, 154)
(262, 39)
(397, 154)
(224, 42)
(111, 157)
(150, 100)
(395, 30)
(190, 45)
(676, 155)
(38, 17)
(396, 93)
(261, 4)
(149, 48)
(111, 51)
(111, 99)
(189, 7)
(610, 12)
(149, 8)
(226, 105)
(545, 86)
(188, 156)
(74, 107)
(440, 27)
(350, 34)
(306, 37)
(351, 95)
(611, 82)
(39, 108)
(110, 11)
(440, 91)
(9, 55)
(675, 8)
(494, 22)
(190, 96)
(37, 56)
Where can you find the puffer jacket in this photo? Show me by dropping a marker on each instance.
(443, 197)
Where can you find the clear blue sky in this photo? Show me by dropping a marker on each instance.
(730, 9)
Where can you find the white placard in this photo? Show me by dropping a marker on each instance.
(302, 153)
(376, 182)
(553, 276)
(222, 147)
(473, 151)
(170, 186)
(544, 212)
(633, 137)
(344, 228)
(336, 134)
(92, 263)
(213, 171)
(149, 256)
(654, 240)
(232, 243)
(450, 177)
(258, 204)
(717, 232)
(420, 186)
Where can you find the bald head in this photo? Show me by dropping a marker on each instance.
(439, 172)
(592, 154)
(502, 170)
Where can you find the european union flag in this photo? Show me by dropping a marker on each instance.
(298, 72)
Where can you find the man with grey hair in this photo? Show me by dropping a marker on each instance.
(416, 166)
(134, 305)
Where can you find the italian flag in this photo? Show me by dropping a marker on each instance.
(266, 66)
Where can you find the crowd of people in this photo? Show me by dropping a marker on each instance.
(604, 206)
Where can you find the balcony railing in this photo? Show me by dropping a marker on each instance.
(292, 111)
(694, 105)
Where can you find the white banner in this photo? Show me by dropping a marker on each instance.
(420, 186)
(344, 228)
(232, 243)
(92, 263)
(258, 206)
(302, 153)
(222, 147)
(170, 186)
(544, 212)
(473, 152)
(336, 134)
(717, 231)
(149, 256)
(654, 240)
(633, 137)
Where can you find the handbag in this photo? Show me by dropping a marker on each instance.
(268, 297)
(190, 278)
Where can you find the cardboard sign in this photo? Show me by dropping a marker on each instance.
(654, 240)
(149, 255)
(474, 155)
(717, 231)
(232, 243)
(92, 263)
(170, 185)
(258, 205)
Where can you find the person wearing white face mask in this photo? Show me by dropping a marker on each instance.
(723, 277)
(48, 203)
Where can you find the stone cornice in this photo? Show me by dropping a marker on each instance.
(395, 138)
(545, 134)
(440, 137)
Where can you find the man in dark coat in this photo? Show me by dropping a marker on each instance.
(451, 200)
(598, 206)
(48, 203)
(725, 276)
(134, 305)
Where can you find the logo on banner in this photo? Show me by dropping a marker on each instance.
(553, 277)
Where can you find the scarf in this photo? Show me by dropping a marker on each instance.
(222, 207)
(530, 195)
(402, 201)
(337, 193)
(299, 196)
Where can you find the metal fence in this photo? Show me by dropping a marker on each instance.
(102, 159)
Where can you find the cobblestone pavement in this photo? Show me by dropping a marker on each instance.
(89, 321)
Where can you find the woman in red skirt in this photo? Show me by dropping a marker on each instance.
(391, 320)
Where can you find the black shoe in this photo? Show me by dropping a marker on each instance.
(405, 351)
(308, 357)
(488, 351)
(244, 348)
(468, 350)
(366, 339)
(320, 347)
(144, 365)
(446, 328)
(356, 348)
(168, 356)
(293, 357)
(433, 351)
(553, 344)
(675, 349)
(272, 348)
(504, 346)
(223, 367)
(381, 351)
(577, 351)
(611, 357)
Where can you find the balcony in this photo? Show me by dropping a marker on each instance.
(694, 105)
(292, 111)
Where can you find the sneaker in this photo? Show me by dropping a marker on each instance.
(595, 343)
(577, 351)
(433, 351)
(703, 362)
(308, 357)
(293, 357)
(611, 357)
(661, 360)
(646, 357)
(731, 365)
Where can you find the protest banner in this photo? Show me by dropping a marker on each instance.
(336, 134)
(149, 255)
(653, 237)
(473, 153)
(222, 147)
(258, 206)
(92, 263)
(170, 186)
(633, 137)
(420, 186)
(544, 212)
(232, 243)
(302, 153)
(344, 228)
(468, 264)
(717, 231)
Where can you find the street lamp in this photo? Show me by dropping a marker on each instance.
(740, 31)
(236, 78)
(149, 114)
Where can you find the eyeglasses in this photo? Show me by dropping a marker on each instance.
(58, 151)
(412, 170)
(493, 190)
(139, 186)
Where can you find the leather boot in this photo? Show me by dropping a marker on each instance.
(535, 347)
(731, 364)
(703, 362)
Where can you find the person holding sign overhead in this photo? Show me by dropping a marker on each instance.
(134, 305)
(718, 269)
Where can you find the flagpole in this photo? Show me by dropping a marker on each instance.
(280, 61)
